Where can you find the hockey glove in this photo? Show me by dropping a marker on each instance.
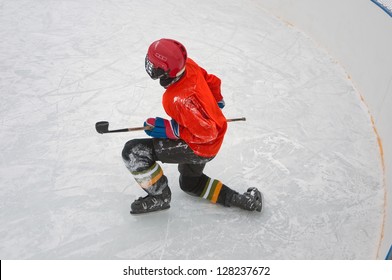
(221, 104)
(162, 128)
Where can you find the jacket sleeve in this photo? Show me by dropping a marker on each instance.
(214, 83)
(195, 125)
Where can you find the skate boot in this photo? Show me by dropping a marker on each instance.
(251, 200)
(151, 203)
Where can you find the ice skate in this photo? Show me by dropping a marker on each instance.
(251, 200)
(151, 203)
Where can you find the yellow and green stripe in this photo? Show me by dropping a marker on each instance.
(148, 177)
(211, 190)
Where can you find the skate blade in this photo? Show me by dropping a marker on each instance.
(151, 211)
(260, 207)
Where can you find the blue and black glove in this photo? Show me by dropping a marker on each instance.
(162, 128)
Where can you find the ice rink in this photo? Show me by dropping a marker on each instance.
(308, 143)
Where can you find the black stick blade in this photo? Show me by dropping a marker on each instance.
(102, 127)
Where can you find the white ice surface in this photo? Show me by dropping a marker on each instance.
(308, 142)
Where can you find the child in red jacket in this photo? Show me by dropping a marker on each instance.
(190, 139)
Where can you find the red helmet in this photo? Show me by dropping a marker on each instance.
(165, 57)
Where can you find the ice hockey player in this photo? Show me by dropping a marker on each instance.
(191, 138)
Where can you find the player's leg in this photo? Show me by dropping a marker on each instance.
(194, 182)
(140, 159)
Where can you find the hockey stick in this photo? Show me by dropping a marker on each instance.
(103, 126)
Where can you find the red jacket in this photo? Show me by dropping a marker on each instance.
(192, 103)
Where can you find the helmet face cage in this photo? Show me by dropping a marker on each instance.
(154, 72)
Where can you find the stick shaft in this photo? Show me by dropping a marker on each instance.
(236, 119)
(147, 127)
(129, 129)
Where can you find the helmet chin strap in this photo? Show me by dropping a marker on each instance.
(167, 81)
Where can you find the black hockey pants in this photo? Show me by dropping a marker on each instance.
(141, 155)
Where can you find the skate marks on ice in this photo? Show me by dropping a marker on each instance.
(194, 229)
(318, 203)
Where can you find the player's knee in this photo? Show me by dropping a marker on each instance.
(138, 154)
(128, 148)
(193, 185)
(186, 183)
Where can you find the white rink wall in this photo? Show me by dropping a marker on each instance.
(358, 34)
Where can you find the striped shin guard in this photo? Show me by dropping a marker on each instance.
(149, 177)
(212, 190)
